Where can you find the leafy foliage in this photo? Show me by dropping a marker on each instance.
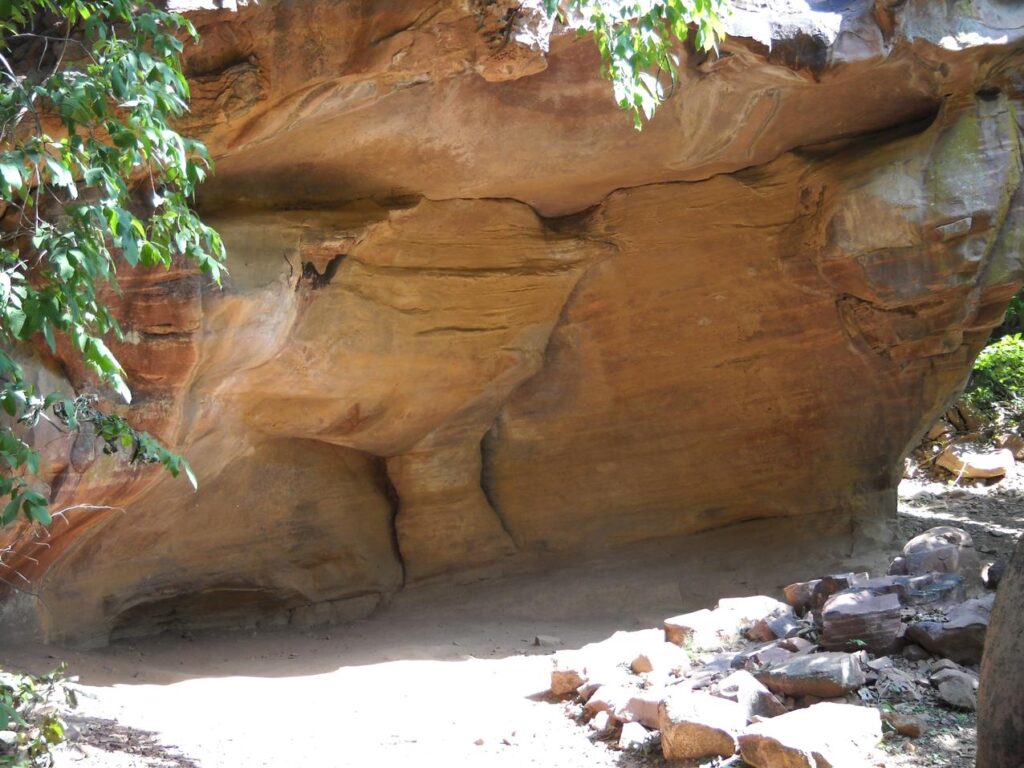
(638, 38)
(30, 717)
(1013, 320)
(92, 174)
(997, 381)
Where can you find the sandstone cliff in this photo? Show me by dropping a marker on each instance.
(473, 319)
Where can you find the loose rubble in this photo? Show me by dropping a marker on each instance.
(808, 681)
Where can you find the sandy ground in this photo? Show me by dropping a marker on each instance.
(450, 676)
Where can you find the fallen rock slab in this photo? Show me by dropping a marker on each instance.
(860, 618)
(961, 637)
(825, 675)
(697, 725)
(969, 464)
(820, 736)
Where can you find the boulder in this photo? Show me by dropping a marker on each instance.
(756, 700)
(825, 675)
(822, 735)
(961, 637)
(972, 465)
(858, 618)
(568, 673)
(958, 690)
(910, 726)
(697, 725)
(798, 595)
(943, 549)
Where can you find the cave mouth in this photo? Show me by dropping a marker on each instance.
(216, 607)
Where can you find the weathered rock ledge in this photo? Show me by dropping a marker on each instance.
(474, 319)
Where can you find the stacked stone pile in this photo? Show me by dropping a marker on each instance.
(812, 680)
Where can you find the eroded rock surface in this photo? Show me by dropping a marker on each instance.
(473, 319)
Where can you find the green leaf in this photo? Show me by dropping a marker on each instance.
(40, 514)
(11, 510)
(11, 174)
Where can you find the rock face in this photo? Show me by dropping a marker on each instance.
(474, 319)
(1001, 695)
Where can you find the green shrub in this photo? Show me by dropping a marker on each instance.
(30, 717)
(997, 381)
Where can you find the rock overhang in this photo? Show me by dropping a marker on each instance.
(474, 320)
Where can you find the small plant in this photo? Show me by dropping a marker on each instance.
(31, 721)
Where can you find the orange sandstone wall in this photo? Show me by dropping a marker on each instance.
(474, 320)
